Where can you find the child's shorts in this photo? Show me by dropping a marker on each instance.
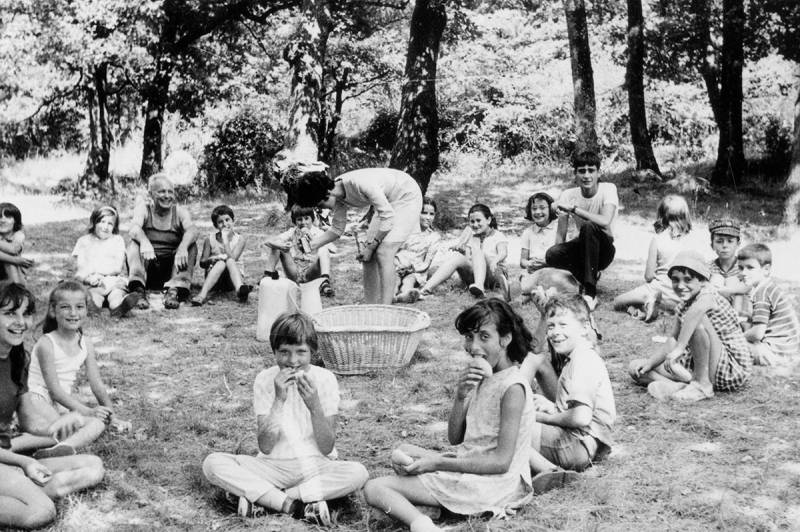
(567, 450)
(37, 394)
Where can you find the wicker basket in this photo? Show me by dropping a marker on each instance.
(357, 339)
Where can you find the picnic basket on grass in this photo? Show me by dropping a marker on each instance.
(357, 339)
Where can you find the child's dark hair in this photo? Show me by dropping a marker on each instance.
(574, 303)
(9, 209)
(673, 214)
(293, 329)
(542, 196)
(760, 252)
(101, 212)
(221, 210)
(687, 271)
(50, 324)
(427, 200)
(298, 211)
(586, 158)
(309, 189)
(15, 295)
(486, 211)
(506, 321)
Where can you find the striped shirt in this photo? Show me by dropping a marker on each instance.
(772, 308)
(715, 268)
(736, 361)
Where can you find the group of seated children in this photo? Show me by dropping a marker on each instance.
(510, 443)
(730, 314)
(40, 463)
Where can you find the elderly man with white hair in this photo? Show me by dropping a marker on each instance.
(162, 252)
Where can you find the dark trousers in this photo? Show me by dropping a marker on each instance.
(585, 256)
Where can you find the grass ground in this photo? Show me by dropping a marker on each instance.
(184, 378)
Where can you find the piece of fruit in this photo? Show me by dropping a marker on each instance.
(481, 363)
(401, 458)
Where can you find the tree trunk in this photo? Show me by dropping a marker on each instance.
(156, 93)
(99, 148)
(87, 179)
(790, 214)
(306, 56)
(104, 155)
(582, 76)
(416, 147)
(730, 155)
(634, 79)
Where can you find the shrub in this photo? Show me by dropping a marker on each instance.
(240, 154)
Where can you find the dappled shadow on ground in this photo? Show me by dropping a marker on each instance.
(184, 378)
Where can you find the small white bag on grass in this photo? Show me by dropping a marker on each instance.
(276, 296)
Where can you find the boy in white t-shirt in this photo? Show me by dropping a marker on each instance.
(296, 405)
(301, 265)
(592, 206)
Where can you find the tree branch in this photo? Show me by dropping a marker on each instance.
(56, 97)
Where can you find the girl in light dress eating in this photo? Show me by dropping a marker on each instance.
(491, 423)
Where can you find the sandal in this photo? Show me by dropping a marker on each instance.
(197, 301)
(692, 393)
(553, 479)
(663, 390)
(325, 289)
(171, 299)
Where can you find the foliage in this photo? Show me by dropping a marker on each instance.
(240, 154)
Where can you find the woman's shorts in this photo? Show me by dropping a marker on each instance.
(565, 449)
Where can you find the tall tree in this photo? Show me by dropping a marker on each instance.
(582, 75)
(99, 131)
(416, 147)
(306, 55)
(179, 25)
(730, 155)
(634, 80)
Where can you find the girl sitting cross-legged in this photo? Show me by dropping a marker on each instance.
(57, 357)
(491, 424)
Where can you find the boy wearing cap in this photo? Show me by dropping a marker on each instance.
(725, 240)
(707, 352)
(775, 331)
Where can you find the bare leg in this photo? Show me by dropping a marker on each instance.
(324, 260)
(632, 298)
(405, 287)
(706, 350)
(115, 298)
(91, 430)
(72, 474)
(213, 277)
(234, 273)
(289, 267)
(396, 496)
(23, 504)
(480, 265)
(446, 270)
(98, 299)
